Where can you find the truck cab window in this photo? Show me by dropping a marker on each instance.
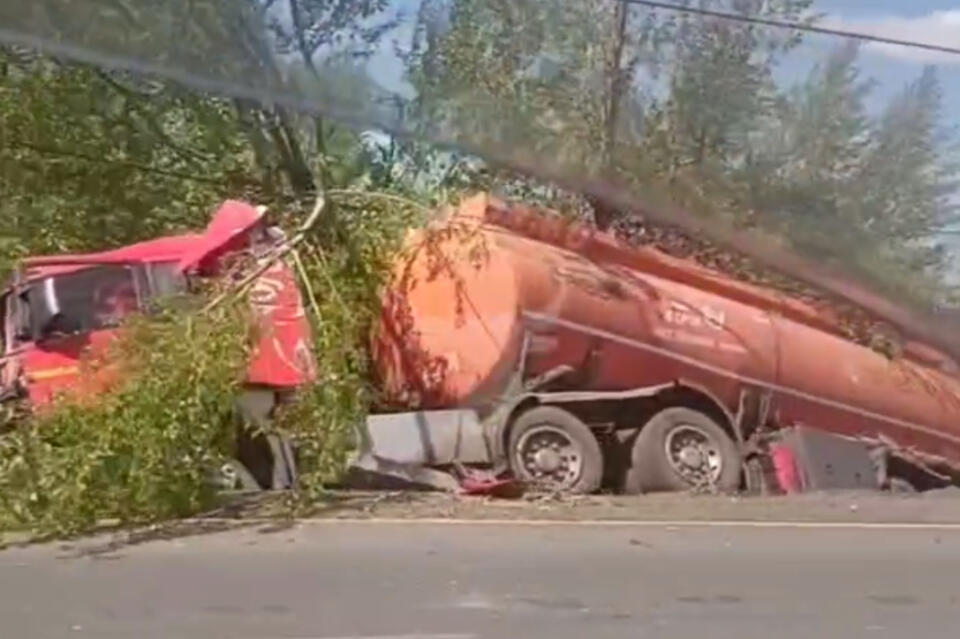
(100, 297)
(93, 299)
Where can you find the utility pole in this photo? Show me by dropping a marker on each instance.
(603, 214)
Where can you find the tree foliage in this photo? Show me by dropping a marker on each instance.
(688, 105)
(146, 451)
(89, 160)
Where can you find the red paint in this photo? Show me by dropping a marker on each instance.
(163, 249)
(785, 466)
(228, 230)
(283, 355)
(57, 366)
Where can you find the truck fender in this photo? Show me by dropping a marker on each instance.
(729, 418)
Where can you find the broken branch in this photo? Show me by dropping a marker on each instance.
(278, 253)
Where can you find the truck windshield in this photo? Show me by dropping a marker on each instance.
(94, 298)
(101, 297)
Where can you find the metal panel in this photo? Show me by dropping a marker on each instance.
(428, 438)
(371, 473)
(256, 404)
(830, 462)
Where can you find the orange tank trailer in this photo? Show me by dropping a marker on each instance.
(495, 289)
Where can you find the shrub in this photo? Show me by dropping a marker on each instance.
(342, 282)
(145, 450)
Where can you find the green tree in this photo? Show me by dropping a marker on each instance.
(806, 155)
(599, 89)
(866, 194)
(720, 80)
(907, 186)
(89, 160)
(909, 174)
(250, 50)
(91, 157)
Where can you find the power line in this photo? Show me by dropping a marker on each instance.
(798, 26)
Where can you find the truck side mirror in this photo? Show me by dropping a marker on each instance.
(44, 308)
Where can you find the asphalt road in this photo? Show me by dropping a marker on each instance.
(424, 580)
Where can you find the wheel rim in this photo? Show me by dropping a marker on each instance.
(547, 454)
(694, 454)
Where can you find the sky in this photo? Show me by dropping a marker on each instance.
(929, 21)
(902, 8)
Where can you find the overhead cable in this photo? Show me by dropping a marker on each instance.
(797, 26)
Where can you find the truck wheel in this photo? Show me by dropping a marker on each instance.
(552, 448)
(682, 449)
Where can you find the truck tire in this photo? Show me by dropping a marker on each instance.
(551, 448)
(681, 449)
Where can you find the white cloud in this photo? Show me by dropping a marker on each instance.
(937, 28)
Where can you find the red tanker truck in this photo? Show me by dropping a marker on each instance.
(512, 338)
(57, 309)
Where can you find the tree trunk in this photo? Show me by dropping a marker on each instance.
(295, 164)
(603, 215)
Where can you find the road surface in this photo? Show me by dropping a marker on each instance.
(357, 580)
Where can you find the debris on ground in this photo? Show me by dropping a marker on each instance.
(487, 484)
(870, 507)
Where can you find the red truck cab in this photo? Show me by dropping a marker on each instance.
(58, 309)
